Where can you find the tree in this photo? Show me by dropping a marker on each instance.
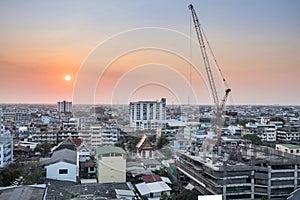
(132, 142)
(254, 139)
(43, 149)
(264, 198)
(161, 142)
(160, 172)
(187, 194)
(32, 174)
(9, 174)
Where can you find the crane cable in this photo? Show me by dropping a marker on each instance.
(217, 64)
(214, 58)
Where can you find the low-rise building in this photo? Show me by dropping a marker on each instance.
(145, 149)
(266, 132)
(111, 164)
(63, 165)
(288, 148)
(153, 190)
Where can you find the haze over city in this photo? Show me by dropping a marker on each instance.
(256, 43)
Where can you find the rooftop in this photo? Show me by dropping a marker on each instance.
(109, 149)
(24, 192)
(63, 155)
(291, 146)
(151, 178)
(146, 188)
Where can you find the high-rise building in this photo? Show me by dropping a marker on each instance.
(6, 151)
(64, 107)
(1, 120)
(147, 114)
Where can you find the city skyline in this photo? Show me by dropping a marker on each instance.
(256, 43)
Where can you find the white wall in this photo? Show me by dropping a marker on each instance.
(52, 171)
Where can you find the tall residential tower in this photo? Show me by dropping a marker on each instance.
(147, 114)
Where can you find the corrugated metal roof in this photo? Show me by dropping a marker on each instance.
(124, 192)
(146, 188)
(63, 155)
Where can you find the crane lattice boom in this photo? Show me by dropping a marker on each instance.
(220, 105)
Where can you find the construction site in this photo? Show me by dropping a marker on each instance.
(241, 170)
(234, 168)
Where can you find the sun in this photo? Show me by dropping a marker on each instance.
(67, 77)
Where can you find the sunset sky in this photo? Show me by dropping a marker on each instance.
(123, 50)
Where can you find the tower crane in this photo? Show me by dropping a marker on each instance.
(220, 105)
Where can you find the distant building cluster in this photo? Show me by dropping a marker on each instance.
(151, 150)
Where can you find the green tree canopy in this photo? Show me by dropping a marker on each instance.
(161, 142)
(43, 149)
(254, 139)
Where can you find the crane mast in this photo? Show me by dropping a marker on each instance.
(220, 105)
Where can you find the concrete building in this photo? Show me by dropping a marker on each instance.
(147, 114)
(111, 164)
(44, 136)
(1, 122)
(242, 171)
(6, 151)
(288, 133)
(266, 132)
(288, 148)
(64, 107)
(100, 136)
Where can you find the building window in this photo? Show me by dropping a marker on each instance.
(63, 171)
(297, 151)
(292, 151)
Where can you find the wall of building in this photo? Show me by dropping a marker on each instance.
(52, 171)
(6, 151)
(111, 169)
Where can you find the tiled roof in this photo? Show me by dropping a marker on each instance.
(151, 178)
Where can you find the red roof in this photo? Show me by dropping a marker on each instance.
(76, 141)
(89, 163)
(21, 148)
(151, 178)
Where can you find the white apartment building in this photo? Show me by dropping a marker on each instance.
(100, 136)
(147, 114)
(266, 132)
(288, 134)
(6, 151)
(64, 107)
